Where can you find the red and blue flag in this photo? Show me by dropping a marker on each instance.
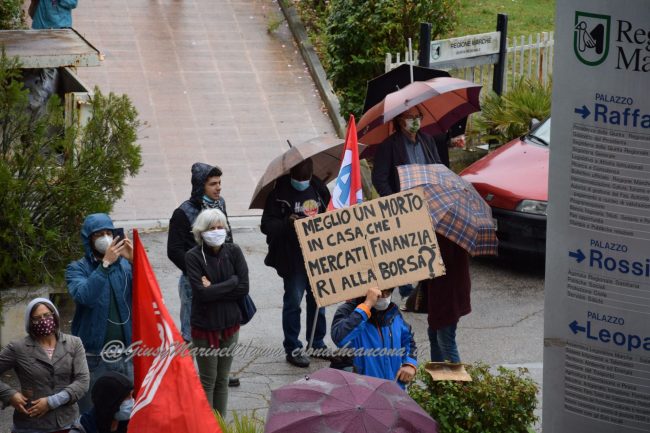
(347, 190)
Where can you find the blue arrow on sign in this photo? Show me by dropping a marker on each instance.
(576, 328)
(584, 111)
(578, 255)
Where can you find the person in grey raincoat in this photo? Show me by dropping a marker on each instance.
(52, 371)
(101, 285)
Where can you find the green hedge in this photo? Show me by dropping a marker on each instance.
(491, 403)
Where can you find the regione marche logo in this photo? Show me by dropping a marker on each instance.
(591, 37)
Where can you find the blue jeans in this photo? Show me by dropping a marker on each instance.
(443, 344)
(97, 368)
(185, 293)
(294, 288)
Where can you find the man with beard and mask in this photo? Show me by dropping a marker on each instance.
(206, 194)
(51, 369)
(374, 324)
(448, 295)
(113, 403)
(408, 145)
(100, 284)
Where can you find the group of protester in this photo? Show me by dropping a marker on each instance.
(56, 370)
(67, 386)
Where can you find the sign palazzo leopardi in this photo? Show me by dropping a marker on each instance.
(384, 243)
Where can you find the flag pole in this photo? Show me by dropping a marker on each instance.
(410, 60)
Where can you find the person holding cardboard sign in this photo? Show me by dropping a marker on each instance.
(296, 195)
(374, 331)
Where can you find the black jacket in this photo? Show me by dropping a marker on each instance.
(215, 307)
(284, 250)
(391, 153)
(179, 238)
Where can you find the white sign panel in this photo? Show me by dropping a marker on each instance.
(597, 307)
(465, 47)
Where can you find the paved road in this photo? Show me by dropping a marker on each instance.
(211, 85)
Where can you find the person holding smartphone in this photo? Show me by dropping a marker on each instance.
(101, 285)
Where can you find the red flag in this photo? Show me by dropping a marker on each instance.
(169, 395)
(347, 190)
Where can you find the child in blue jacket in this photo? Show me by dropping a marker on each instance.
(374, 330)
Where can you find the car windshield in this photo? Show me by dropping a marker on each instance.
(541, 134)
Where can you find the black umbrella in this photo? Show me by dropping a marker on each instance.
(396, 79)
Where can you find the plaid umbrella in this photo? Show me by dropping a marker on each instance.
(459, 213)
(335, 401)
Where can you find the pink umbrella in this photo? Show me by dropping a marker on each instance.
(443, 102)
(335, 401)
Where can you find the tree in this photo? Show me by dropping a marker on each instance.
(361, 32)
(53, 176)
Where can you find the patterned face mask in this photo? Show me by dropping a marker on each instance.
(43, 327)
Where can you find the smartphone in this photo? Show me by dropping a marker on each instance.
(118, 232)
(29, 404)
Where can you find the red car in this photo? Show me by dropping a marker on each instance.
(513, 180)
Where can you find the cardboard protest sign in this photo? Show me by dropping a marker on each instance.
(381, 243)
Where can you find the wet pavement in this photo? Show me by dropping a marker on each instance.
(211, 84)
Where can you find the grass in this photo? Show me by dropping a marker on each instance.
(524, 16)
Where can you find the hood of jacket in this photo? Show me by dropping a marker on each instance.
(200, 173)
(28, 311)
(94, 223)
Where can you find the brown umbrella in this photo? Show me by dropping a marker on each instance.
(443, 102)
(325, 152)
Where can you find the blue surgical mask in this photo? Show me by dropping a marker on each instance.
(124, 413)
(300, 185)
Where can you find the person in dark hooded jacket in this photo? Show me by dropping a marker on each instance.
(113, 402)
(206, 194)
(100, 284)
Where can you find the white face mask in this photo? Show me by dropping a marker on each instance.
(214, 238)
(382, 303)
(412, 125)
(102, 244)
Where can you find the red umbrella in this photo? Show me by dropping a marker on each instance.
(335, 401)
(443, 102)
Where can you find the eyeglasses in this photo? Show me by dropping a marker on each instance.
(36, 319)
